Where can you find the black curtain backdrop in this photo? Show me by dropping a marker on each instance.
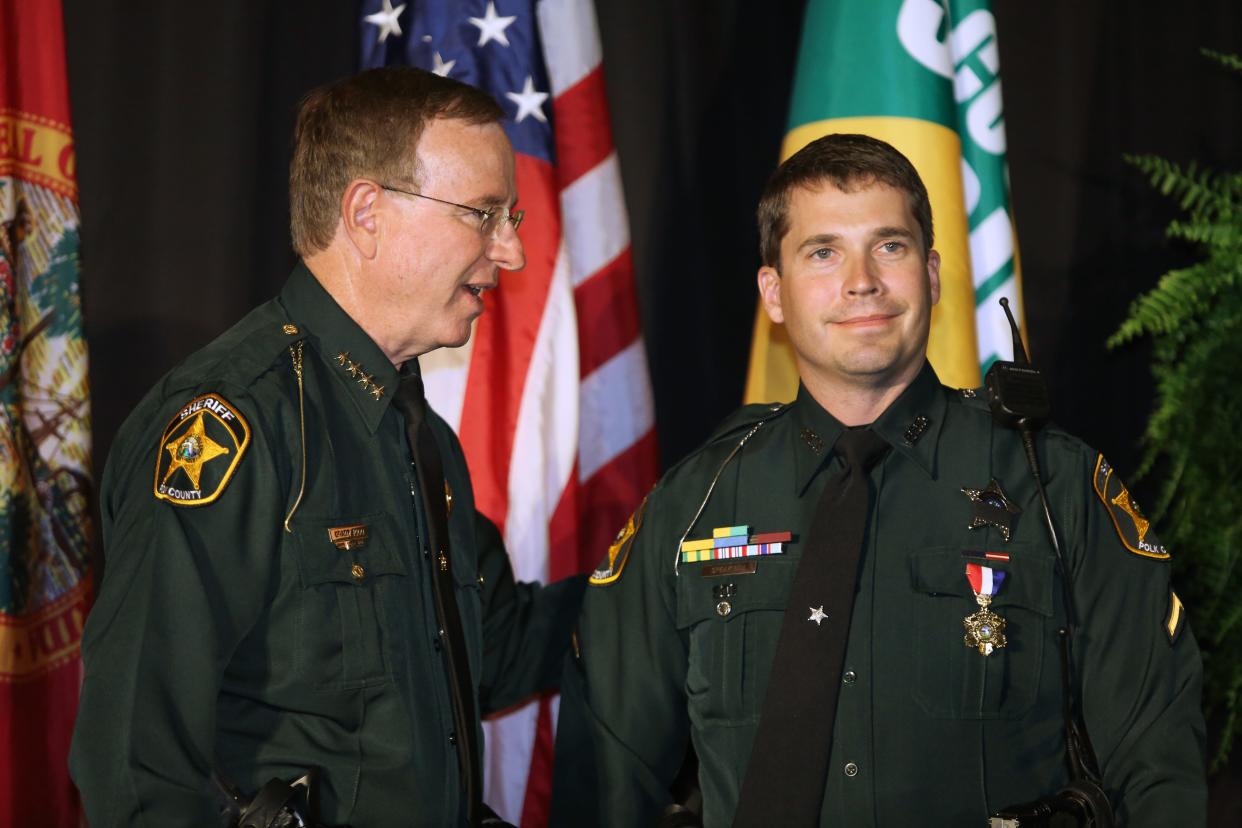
(182, 114)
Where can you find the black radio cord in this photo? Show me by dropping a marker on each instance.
(1080, 754)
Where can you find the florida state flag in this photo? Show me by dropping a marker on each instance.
(44, 423)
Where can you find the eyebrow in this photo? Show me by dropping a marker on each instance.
(490, 201)
(822, 238)
(878, 233)
(899, 232)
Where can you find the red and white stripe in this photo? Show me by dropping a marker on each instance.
(551, 398)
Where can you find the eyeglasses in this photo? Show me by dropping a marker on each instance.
(490, 219)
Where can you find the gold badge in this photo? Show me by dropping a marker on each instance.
(619, 551)
(1132, 527)
(346, 538)
(985, 630)
(199, 451)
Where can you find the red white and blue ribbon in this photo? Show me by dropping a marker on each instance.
(984, 580)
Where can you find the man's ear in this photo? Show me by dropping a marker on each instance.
(358, 216)
(770, 293)
(933, 275)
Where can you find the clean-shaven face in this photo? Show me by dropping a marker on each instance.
(437, 264)
(854, 290)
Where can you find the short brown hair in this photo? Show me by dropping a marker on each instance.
(846, 161)
(366, 126)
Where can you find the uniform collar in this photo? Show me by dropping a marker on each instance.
(352, 357)
(911, 425)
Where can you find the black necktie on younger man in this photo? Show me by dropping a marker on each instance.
(785, 778)
(428, 467)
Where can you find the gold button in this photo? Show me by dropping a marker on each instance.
(290, 329)
(357, 571)
(724, 608)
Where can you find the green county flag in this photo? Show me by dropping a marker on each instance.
(924, 76)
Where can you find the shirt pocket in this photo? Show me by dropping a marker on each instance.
(955, 681)
(342, 629)
(731, 636)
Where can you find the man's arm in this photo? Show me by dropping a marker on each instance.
(526, 627)
(624, 699)
(183, 586)
(1140, 670)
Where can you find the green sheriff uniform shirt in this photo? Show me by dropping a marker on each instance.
(928, 731)
(221, 640)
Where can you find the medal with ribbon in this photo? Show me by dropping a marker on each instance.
(985, 630)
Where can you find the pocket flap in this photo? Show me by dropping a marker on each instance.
(698, 598)
(323, 560)
(465, 578)
(1029, 575)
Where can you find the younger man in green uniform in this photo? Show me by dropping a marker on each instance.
(714, 616)
(285, 590)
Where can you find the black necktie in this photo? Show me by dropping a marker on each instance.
(784, 782)
(412, 404)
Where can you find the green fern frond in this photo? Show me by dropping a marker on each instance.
(1216, 234)
(1192, 186)
(1193, 318)
(1178, 299)
(1228, 61)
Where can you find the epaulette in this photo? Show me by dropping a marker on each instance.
(973, 397)
(270, 335)
(736, 426)
(245, 351)
(744, 419)
(977, 399)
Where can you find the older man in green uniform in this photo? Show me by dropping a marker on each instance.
(285, 590)
(886, 654)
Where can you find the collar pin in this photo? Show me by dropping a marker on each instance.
(915, 430)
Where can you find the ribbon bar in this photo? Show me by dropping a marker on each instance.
(750, 550)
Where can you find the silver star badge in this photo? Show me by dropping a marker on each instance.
(817, 614)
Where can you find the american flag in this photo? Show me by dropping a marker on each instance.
(551, 398)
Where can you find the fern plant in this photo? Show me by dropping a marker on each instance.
(1194, 320)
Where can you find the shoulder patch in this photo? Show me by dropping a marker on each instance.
(199, 451)
(609, 570)
(1132, 527)
(1175, 619)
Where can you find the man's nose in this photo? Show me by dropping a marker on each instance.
(861, 278)
(505, 248)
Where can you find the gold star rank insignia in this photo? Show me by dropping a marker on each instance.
(1132, 527)
(199, 451)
